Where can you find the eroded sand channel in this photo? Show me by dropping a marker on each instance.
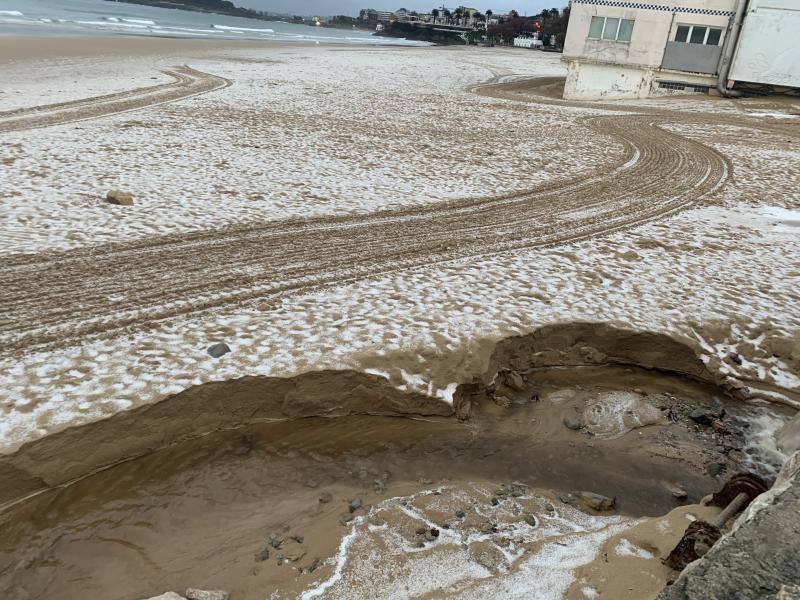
(265, 509)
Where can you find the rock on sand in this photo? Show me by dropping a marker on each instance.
(119, 198)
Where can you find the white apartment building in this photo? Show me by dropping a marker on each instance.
(619, 49)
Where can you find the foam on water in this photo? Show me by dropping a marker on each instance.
(376, 559)
(238, 29)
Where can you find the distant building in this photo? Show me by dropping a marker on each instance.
(620, 49)
(372, 15)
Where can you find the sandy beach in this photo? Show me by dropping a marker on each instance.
(380, 238)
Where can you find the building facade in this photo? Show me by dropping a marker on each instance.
(621, 49)
(617, 49)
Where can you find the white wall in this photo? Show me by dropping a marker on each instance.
(597, 81)
(600, 82)
(769, 44)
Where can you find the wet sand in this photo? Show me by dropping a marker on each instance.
(17, 49)
(197, 513)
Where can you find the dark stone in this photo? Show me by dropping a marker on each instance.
(431, 534)
(325, 497)
(573, 423)
(715, 469)
(735, 358)
(354, 505)
(530, 520)
(217, 350)
(733, 442)
(460, 514)
(701, 416)
(315, 564)
(495, 501)
(263, 554)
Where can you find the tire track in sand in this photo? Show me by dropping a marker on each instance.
(62, 298)
(186, 82)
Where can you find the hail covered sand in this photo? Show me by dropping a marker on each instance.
(319, 207)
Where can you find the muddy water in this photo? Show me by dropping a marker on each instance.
(196, 514)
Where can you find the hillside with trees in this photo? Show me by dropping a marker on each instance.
(222, 7)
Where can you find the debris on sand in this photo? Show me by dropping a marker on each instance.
(263, 554)
(195, 594)
(678, 492)
(590, 500)
(611, 415)
(354, 505)
(119, 198)
(315, 564)
(487, 555)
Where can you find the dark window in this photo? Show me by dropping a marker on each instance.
(713, 37)
(683, 33)
(698, 35)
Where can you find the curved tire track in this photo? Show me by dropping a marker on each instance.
(187, 82)
(58, 299)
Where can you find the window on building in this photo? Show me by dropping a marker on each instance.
(625, 30)
(714, 36)
(609, 28)
(698, 34)
(596, 27)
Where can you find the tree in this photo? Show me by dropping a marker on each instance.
(435, 13)
(513, 14)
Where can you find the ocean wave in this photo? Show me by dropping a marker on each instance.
(174, 32)
(140, 21)
(238, 29)
(11, 13)
(111, 24)
(187, 30)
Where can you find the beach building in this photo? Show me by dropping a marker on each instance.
(620, 49)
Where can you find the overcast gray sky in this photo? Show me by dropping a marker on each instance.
(351, 7)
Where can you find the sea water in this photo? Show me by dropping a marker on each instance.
(105, 17)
